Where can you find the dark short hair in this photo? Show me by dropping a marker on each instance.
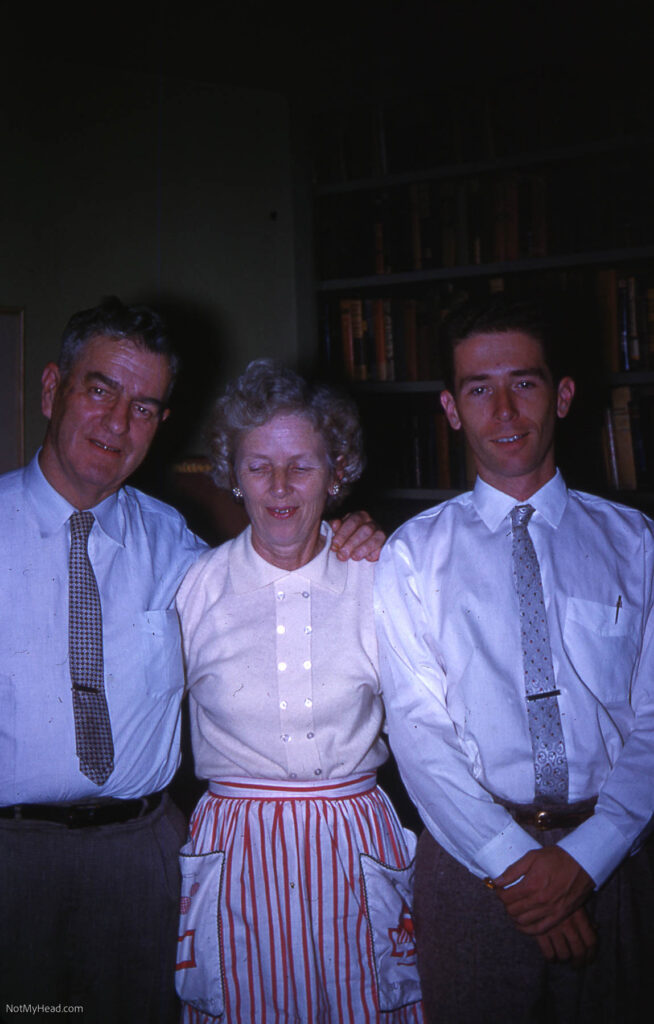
(267, 388)
(138, 324)
(499, 315)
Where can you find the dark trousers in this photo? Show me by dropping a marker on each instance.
(88, 917)
(477, 968)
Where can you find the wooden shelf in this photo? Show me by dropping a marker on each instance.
(536, 264)
(487, 166)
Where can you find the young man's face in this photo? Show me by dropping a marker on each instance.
(505, 401)
(103, 417)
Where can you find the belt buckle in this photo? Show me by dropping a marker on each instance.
(78, 817)
(543, 819)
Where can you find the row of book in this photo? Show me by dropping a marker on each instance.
(409, 445)
(511, 118)
(627, 316)
(628, 439)
(395, 337)
(383, 339)
(490, 218)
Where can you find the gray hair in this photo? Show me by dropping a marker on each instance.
(267, 388)
(140, 325)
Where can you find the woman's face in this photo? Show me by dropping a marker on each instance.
(283, 472)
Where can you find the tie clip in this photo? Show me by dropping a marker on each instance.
(82, 688)
(539, 696)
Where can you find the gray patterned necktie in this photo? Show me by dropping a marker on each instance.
(95, 748)
(550, 762)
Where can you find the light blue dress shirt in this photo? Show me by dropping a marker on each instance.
(140, 550)
(452, 676)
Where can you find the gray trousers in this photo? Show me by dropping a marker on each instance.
(88, 917)
(477, 968)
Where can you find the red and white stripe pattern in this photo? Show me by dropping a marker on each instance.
(294, 937)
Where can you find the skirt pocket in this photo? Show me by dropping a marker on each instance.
(199, 972)
(388, 894)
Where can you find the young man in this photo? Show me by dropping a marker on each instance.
(91, 686)
(516, 631)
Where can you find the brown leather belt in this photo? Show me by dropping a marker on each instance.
(109, 812)
(564, 816)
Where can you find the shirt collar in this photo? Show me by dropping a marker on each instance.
(249, 571)
(52, 511)
(494, 506)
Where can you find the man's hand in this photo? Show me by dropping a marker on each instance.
(549, 886)
(574, 940)
(357, 536)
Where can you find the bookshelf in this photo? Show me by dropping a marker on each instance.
(570, 220)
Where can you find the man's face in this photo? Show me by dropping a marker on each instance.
(506, 403)
(103, 417)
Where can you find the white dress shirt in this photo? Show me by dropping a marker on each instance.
(451, 663)
(281, 666)
(140, 550)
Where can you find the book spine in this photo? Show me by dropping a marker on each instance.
(388, 339)
(347, 338)
(379, 332)
(624, 448)
(360, 366)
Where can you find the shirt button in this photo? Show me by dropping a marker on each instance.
(307, 664)
(281, 629)
(307, 629)
(283, 705)
(286, 738)
(308, 702)
(293, 775)
(280, 595)
(310, 735)
(318, 771)
(305, 593)
(281, 665)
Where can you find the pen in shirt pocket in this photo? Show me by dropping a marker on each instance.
(618, 606)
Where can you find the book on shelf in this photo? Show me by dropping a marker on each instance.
(607, 304)
(442, 449)
(626, 317)
(448, 223)
(621, 420)
(645, 446)
(347, 338)
(410, 337)
(359, 340)
(379, 339)
(388, 339)
(609, 451)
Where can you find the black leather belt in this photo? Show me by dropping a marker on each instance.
(109, 812)
(565, 816)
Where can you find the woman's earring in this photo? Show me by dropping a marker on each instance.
(334, 490)
(237, 492)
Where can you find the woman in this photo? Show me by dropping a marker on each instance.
(297, 874)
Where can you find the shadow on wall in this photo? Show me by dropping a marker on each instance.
(200, 341)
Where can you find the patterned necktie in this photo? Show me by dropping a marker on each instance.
(95, 748)
(550, 762)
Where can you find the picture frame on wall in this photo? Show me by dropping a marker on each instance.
(12, 389)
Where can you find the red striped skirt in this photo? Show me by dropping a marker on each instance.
(296, 906)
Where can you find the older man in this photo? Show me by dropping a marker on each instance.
(91, 685)
(516, 629)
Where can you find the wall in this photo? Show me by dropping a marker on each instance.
(156, 190)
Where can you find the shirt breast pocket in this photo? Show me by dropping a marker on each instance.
(600, 642)
(164, 669)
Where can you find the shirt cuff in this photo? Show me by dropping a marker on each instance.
(505, 849)
(597, 846)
